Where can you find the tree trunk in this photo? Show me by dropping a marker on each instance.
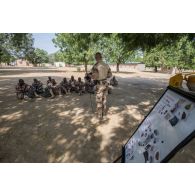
(85, 67)
(117, 67)
(85, 62)
(155, 69)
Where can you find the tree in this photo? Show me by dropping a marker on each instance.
(80, 48)
(51, 58)
(56, 57)
(147, 41)
(160, 49)
(76, 48)
(117, 51)
(152, 58)
(180, 54)
(15, 45)
(38, 56)
(59, 57)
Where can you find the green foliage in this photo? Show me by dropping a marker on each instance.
(51, 58)
(180, 54)
(59, 56)
(76, 48)
(147, 41)
(15, 45)
(137, 56)
(115, 50)
(155, 57)
(38, 56)
(160, 49)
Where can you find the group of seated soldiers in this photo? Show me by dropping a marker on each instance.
(52, 89)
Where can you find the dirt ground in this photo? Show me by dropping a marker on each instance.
(65, 129)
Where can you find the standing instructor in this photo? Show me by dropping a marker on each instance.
(100, 72)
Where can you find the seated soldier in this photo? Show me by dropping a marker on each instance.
(53, 88)
(87, 77)
(72, 84)
(89, 84)
(64, 86)
(37, 87)
(47, 92)
(80, 86)
(113, 81)
(49, 80)
(22, 90)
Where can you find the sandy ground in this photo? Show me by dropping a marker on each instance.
(65, 129)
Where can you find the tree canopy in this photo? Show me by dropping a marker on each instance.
(160, 49)
(79, 48)
(147, 41)
(15, 45)
(38, 56)
(180, 54)
(76, 48)
(154, 49)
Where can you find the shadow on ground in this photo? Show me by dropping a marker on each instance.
(66, 130)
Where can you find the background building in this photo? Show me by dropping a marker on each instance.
(59, 64)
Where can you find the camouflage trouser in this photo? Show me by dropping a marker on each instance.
(101, 96)
(55, 89)
(20, 94)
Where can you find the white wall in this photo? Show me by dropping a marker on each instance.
(59, 64)
(128, 68)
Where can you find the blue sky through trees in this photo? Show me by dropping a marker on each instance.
(44, 41)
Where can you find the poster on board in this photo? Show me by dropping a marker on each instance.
(169, 123)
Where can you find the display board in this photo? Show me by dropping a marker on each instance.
(169, 124)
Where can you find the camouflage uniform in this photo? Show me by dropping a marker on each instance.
(53, 87)
(80, 86)
(113, 81)
(49, 82)
(89, 84)
(64, 86)
(37, 87)
(72, 84)
(22, 89)
(100, 73)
